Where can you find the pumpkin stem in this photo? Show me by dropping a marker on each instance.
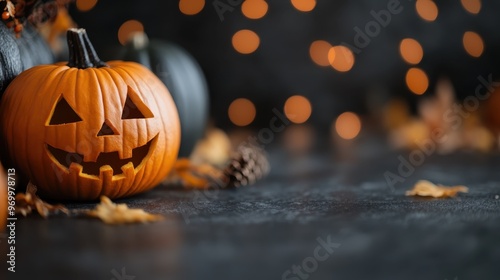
(82, 54)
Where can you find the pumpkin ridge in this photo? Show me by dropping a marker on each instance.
(60, 80)
(100, 83)
(117, 69)
(113, 69)
(118, 72)
(51, 74)
(115, 76)
(136, 67)
(105, 190)
(87, 75)
(78, 132)
(14, 121)
(24, 120)
(54, 93)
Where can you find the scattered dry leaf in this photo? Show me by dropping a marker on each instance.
(458, 127)
(112, 213)
(202, 168)
(407, 136)
(426, 188)
(193, 176)
(214, 149)
(26, 202)
(11, 8)
(248, 164)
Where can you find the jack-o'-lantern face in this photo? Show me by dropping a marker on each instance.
(93, 162)
(83, 132)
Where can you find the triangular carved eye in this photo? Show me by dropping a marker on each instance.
(107, 129)
(63, 113)
(134, 108)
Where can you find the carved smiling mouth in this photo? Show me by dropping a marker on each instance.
(139, 155)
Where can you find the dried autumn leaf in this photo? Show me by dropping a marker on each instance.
(433, 124)
(193, 176)
(213, 149)
(407, 136)
(26, 202)
(426, 188)
(248, 164)
(112, 213)
(11, 8)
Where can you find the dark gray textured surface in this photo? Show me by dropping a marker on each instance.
(259, 232)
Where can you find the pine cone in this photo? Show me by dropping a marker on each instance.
(248, 165)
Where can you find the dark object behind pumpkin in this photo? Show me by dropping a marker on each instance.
(10, 60)
(182, 75)
(33, 48)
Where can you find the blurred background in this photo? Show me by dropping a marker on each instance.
(336, 67)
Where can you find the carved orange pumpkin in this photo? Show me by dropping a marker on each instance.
(88, 128)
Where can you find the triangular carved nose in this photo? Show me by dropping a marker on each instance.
(107, 129)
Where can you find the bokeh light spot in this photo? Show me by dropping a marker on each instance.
(304, 5)
(348, 125)
(411, 51)
(85, 5)
(427, 9)
(254, 9)
(417, 81)
(298, 109)
(246, 41)
(319, 52)
(191, 7)
(473, 44)
(472, 6)
(127, 29)
(241, 112)
(341, 58)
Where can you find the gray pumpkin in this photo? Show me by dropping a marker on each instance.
(33, 48)
(182, 75)
(10, 60)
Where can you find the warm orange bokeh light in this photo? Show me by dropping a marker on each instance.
(341, 58)
(472, 6)
(427, 9)
(191, 7)
(254, 9)
(298, 109)
(127, 29)
(85, 5)
(304, 5)
(411, 51)
(319, 52)
(473, 44)
(246, 41)
(348, 125)
(417, 81)
(241, 112)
